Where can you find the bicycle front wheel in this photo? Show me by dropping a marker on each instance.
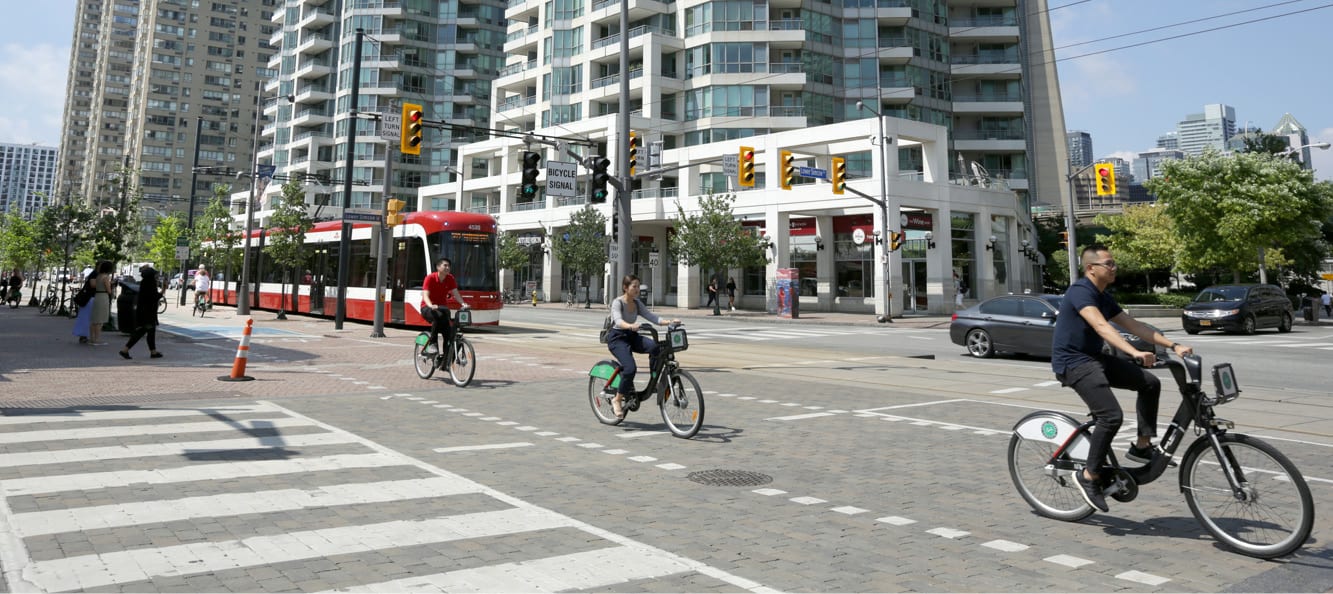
(424, 362)
(1272, 514)
(682, 404)
(464, 363)
(162, 305)
(1050, 491)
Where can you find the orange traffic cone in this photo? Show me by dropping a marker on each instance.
(242, 353)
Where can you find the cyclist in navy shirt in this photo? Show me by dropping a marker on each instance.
(1081, 328)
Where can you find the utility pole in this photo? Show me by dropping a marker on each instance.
(624, 193)
(189, 218)
(345, 236)
(382, 238)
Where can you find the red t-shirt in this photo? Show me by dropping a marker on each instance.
(440, 290)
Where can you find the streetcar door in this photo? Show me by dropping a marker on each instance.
(398, 279)
(318, 268)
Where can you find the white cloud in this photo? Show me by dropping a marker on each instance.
(32, 81)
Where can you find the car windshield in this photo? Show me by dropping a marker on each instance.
(1054, 300)
(1221, 294)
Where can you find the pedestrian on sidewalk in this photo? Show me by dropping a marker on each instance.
(1327, 302)
(712, 292)
(83, 323)
(101, 303)
(145, 316)
(731, 292)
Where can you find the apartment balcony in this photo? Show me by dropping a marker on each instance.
(314, 43)
(313, 70)
(989, 140)
(311, 116)
(378, 7)
(316, 18)
(313, 3)
(275, 40)
(988, 103)
(982, 65)
(275, 61)
(522, 39)
(515, 102)
(897, 54)
(635, 32)
(988, 29)
(310, 141)
(313, 94)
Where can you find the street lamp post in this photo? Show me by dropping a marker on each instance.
(243, 289)
(189, 218)
(885, 305)
(1263, 269)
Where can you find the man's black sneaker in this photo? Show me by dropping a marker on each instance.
(1091, 492)
(1138, 454)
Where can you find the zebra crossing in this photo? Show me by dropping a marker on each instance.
(257, 497)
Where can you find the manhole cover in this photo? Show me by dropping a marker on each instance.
(729, 478)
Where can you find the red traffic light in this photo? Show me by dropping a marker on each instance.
(415, 115)
(1103, 172)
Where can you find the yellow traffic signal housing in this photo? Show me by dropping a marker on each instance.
(396, 216)
(745, 176)
(896, 240)
(410, 140)
(633, 152)
(1064, 238)
(1105, 178)
(838, 175)
(788, 166)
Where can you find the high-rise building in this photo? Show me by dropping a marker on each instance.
(1149, 163)
(1080, 149)
(1209, 129)
(1297, 138)
(1169, 141)
(143, 74)
(27, 178)
(440, 55)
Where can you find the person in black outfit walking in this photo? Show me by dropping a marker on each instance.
(145, 315)
(712, 292)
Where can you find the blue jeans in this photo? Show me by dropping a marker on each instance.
(623, 344)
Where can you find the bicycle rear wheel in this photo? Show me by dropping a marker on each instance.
(424, 362)
(1051, 492)
(464, 363)
(162, 305)
(682, 404)
(1273, 514)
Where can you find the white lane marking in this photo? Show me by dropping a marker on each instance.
(526, 428)
(807, 500)
(790, 404)
(507, 423)
(198, 472)
(488, 446)
(799, 417)
(643, 458)
(913, 405)
(546, 433)
(473, 414)
(948, 532)
(1008, 390)
(200, 426)
(769, 492)
(567, 439)
(849, 510)
(489, 419)
(768, 401)
(813, 407)
(79, 519)
(170, 449)
(590, 445)
(128, 414)
(1142, 578)
(746, 398)
(896, 520)
(615, 452)
(551, 574)
(670, 466)
(430, 401)
(1047, 384)
(1068, 561)
(635, 434)
(1005, 545)
(1303, 345)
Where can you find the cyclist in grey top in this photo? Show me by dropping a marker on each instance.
(623, 340)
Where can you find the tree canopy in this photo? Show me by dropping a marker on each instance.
(286, 242)
(583, 245)
(161, 247)
(713, 239)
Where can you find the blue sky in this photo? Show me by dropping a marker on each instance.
(1124, 98)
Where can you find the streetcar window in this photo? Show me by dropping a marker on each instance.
(473, 256)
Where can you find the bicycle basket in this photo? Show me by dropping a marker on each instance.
(464, 317)
(1224, 381)
(677, 339)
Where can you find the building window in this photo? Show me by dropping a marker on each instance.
(999, 228)
(962, 235)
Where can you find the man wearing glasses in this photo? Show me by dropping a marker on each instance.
(1083, 325)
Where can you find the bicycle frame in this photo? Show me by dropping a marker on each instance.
(666, 362)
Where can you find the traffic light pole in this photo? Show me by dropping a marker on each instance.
(345, 237)
(625, 192)
(385, 231)
(1070, 248)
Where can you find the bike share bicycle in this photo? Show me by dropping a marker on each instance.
(1243, 491)
(15, 296)
(458, 356)
(679, 397)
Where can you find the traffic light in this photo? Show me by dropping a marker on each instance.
(615, 223)
(599, 178)
(531, 169)
(745, 175)
(633, 152)
(896, 240)
(1105, 179)
(1064, 239)
(839, 174)
(410, 138)
(396, 216)
(788, 176)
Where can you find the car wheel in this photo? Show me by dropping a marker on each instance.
(979, 343)
(1191, 331)
(1285, 325)
(1247, 325)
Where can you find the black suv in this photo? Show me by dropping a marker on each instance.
(1238, 308)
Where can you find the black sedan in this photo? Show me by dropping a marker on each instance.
(1021, 324)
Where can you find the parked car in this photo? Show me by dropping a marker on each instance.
(1238, 308)
(175, 282)
(1022, 324)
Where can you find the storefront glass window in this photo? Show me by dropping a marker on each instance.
(803, 254)
(999, 227)
(854, 266)
(962, 235)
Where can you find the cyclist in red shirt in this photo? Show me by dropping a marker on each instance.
(438, 288)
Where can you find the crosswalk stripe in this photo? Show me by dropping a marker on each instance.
(169, 449)
(131, 430)
(576, 571)
(196, 472)
(1305, 344)
(95, 570)
(117, 415)
(78, 519)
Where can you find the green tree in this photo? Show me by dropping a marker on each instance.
(286, 242)
(584, 250)
(67, 227)
(512, 255)
(714, 240)
(215, 238)
(1262, 142)
(1229, 208)
(1143, 239)
(161, 247)
(18, 243)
